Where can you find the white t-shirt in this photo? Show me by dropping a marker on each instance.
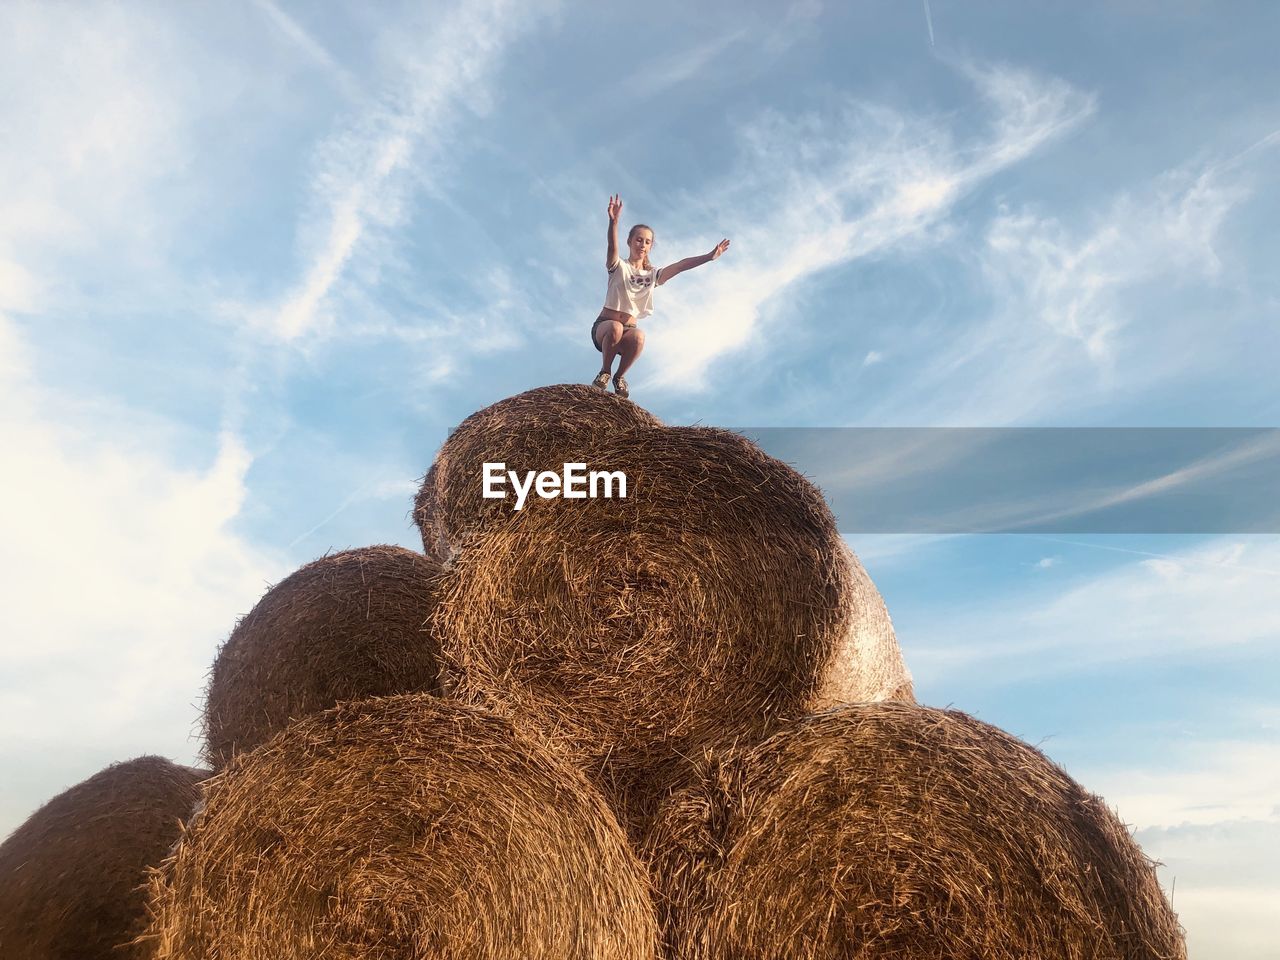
(631, 289)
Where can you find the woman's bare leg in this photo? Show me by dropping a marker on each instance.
(610, 332)
(630, 347)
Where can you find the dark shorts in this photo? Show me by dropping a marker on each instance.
(599, 320)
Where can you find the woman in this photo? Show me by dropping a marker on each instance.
(630, 297)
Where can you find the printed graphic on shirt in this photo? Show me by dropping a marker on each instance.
(640, 281)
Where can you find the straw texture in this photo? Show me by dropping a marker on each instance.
(710, 604)
(346, 627)
(539, 429)
(70, 876)
(868, 667)
(402, 828)
(893, 831)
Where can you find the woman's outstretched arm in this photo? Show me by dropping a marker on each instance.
(688, 263)
(611, 252)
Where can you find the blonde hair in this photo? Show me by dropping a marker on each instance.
(632, 232)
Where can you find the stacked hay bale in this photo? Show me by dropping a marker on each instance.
(714, 602)
(895, 831)
(868, 667)
(536, 430)
(348, 626)
(400, 828)
(454, 755)
(71, 876)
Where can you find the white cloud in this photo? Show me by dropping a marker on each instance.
(872, 357)
(136, 126)
(1029, 111)
(1046, 562)
(1071, 285)
(1220, 594)
(19, 290)
(366, 172)
(1067, 323)
(92, 119)
(121, 572)
(1204, 784)
(1211, 815)
(1232, 921)
(826, 189)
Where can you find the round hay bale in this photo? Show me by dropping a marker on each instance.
(708, 605)
(894, 831)
(71, 877)
(869, 667)
(536, 430)
(402, 828)
(348, 626)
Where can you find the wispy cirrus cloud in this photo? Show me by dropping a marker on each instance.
(1071, 285)
(1022, 480)
(653, 79)
(91, 128)
(366, 172)
(1217, 595)
(825, 189)
(1073, 311)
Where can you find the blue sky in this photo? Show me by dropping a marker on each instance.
(256, 259)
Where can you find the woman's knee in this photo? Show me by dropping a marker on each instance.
(635, 336)
(609, 331)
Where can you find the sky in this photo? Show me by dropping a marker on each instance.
(257, 258)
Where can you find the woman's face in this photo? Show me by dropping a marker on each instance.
(640, 243)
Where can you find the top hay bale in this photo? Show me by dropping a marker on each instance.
(71, 875)
(345, 627)
(402, 828)
(708, 605)
(536, 430)
(895, 832)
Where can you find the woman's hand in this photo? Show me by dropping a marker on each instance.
(721, 247)
(615, 208)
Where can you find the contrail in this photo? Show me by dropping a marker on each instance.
(309, 45)
(1269, 140)
(928, 19)
(345, 503)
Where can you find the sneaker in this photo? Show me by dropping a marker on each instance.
(620, 386)
(601, 381)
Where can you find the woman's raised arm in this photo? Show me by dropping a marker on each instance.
(688, 263)
(611, 251)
